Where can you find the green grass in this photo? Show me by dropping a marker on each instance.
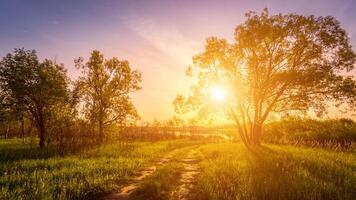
(160, 184)
(39, 174)
(230, 172)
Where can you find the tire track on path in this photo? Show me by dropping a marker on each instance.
(137, 179)
(187, 179)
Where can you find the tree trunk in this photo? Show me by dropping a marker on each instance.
(23, 129)
(42, 131)
(7, 131)
(256, 134)
(101, 131)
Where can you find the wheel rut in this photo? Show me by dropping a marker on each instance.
(125, 192)
(188, 177)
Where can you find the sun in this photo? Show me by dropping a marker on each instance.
(218, 94)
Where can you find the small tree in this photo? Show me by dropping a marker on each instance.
(33, 87)
(277, 64)
(105, 86)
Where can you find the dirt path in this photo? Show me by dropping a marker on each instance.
(187, 180)
(128, 189)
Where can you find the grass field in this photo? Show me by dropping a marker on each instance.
(230, 172)
(227, 171)
(35, 174)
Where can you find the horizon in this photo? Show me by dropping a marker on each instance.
(159, 38)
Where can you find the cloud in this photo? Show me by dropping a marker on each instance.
(168, 40)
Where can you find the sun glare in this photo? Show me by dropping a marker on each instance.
(218, 94)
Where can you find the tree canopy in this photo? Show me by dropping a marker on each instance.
(281, 64)
(33, 87)
(105, 86)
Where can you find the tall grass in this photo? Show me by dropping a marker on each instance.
(231, 172)
(33, 174)
(333, 134)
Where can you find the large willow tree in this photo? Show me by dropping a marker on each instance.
(277, 64)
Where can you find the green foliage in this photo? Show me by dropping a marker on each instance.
(27, 173)
(104, 87)
(32, 87)
(230, 171)
(284, 64)
(335, 133)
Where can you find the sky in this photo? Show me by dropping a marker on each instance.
(158, 38)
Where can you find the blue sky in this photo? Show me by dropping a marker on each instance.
(157, 37)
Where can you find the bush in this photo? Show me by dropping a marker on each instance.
(339, 133)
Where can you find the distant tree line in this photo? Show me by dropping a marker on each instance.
(38, 97)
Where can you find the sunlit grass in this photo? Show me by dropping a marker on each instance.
(89, 174)
(230, 172)
(164, 180)
(159, 186)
